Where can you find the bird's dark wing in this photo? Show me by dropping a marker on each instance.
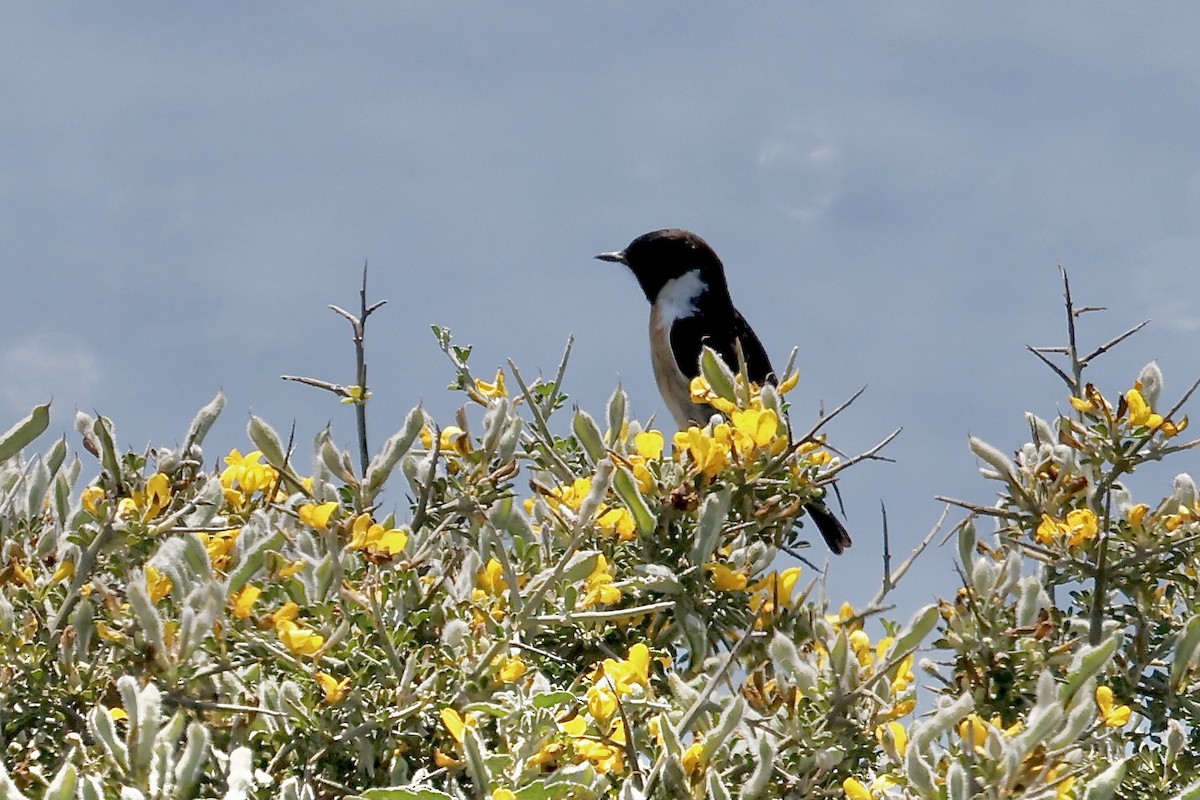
(720, 332)
(832, 531)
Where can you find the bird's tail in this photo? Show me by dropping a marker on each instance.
(831, 529)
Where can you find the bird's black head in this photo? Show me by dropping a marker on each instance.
(660, 256)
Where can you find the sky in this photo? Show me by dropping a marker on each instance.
(184, 188)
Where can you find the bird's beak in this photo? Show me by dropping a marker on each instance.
(616, 256)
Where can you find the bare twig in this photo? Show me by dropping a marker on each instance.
(1111, 343)
(988, 511)
(1057, 370)
(890, 582)
(824, 420)
(865, 456)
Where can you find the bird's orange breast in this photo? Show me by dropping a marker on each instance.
(672, 383)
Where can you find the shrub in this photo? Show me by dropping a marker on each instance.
(634, 623)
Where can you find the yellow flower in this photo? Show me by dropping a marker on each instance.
(649, 444)
(243, 601)
(335, 690)
(355, 394)
(726, 579)
(904, 676)
(702, 394)
(157, 585)
(65, 571)
(855, 790)
(490, 579)
(692, 760)
(442, 760)
(1136, 514)
(512, 668)
(317, 516)
(1082, 526)
(1113, 715)
(709, 452)
(575, 726)
(504, 794)
(1081, 405)
(495, 389)
(247, 473)
(158, 494)
(599, 585)
(601, 702)
(605, 758)
(893, 738)
(108, 633)
(368, 534)
(1170, 428)
(1047, 530)
(628, 673)
(1064, 789)
(290, 569)
(618, 522)
(454, 440)
(641, 474)
(758, 429)
(974, 732)
(118, 713)
(456, 724)
(790, 382)
(860, 645)
(571, 496)
(92, 497)
(772, 589)
(219, 546)
(1140, 413)
(301, 640)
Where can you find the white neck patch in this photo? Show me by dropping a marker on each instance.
(677, 298)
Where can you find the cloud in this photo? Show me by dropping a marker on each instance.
(1167, 281)
(799, 170)
(42, 366)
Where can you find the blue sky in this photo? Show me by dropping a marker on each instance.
(185, 187)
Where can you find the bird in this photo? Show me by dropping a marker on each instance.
(690, 308)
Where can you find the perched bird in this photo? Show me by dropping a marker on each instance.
(690, 307)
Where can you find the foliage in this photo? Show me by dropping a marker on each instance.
(629, 625)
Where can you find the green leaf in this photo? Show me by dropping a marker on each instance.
(1104, 786)
(203, 421)
(551, 699)
(717, 373)
(24, 432)
(588, 433)
(917, 629)
(616, 414)
(627, 489)
(398, 793)
(267, 440)
(713, 513)
(392, 451)
(1087, 662)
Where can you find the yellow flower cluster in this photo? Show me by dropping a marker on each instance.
(369, 535)
(300, 639)
(1078, 529)
(219, 546)
(615, 521)
(600, 589)
(1137, 414)
(244, 475)
(771, 592)
(145, 504)
(749, 433)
